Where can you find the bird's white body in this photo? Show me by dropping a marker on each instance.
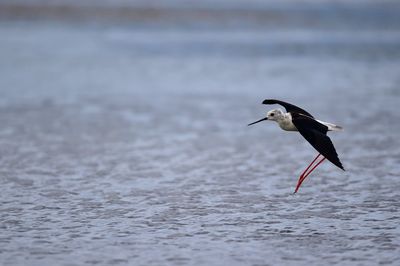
(284, 121)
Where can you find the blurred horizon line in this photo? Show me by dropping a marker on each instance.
(309, 13)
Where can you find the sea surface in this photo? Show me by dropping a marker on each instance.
(126, 143)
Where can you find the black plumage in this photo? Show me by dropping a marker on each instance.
(289, 107)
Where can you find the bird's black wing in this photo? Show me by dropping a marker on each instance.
(289, 107)
(315, 133)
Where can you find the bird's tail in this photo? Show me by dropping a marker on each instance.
(331, 127)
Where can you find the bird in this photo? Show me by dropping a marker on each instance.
(313, 130)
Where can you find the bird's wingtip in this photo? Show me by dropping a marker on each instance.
(268, 101)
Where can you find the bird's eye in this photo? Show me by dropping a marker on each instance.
(272, 114)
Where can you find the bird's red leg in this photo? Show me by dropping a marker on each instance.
(304, 175)
(308, 167)
(304, 172)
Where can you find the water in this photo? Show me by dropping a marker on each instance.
(128, 145)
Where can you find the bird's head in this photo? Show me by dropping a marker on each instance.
(273, 115)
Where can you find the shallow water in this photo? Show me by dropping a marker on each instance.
(123, 145)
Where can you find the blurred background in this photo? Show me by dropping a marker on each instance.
(123, 137)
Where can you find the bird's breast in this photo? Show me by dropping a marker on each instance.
(287, 125)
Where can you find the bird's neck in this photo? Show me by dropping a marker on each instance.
(285, 122)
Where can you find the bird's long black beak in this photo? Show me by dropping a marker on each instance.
(265, 118)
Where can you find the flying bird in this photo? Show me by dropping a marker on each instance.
(313, 130)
